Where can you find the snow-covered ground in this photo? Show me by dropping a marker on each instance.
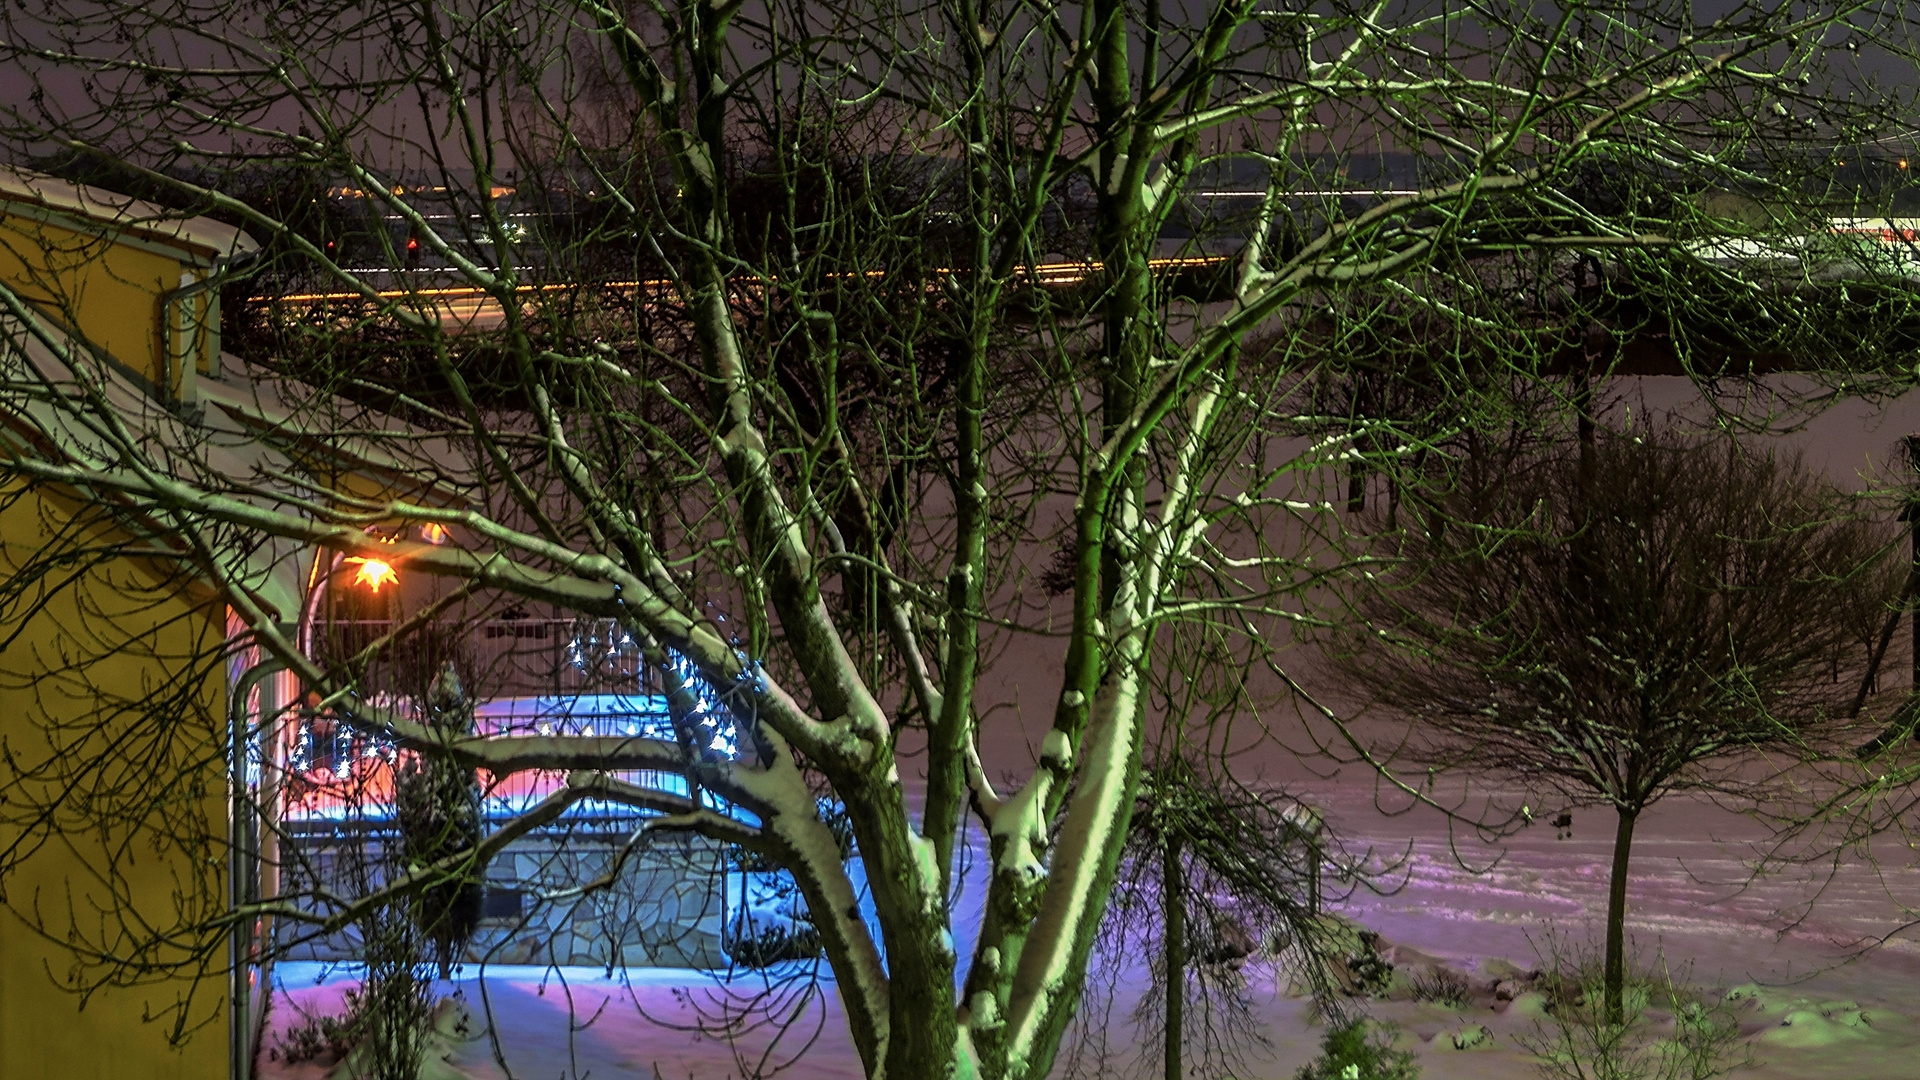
(1692, 899)
(1814, 1016)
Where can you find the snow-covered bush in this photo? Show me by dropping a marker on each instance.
(1372, 973)
(1360, 1049)
(1440, 985)
(767, 945)
(1669, 1030)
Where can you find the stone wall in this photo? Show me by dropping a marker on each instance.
(665, 908)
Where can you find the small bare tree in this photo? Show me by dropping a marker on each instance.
(1619, 620)
(1214, 873)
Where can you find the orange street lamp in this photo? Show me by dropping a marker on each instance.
(373, 573)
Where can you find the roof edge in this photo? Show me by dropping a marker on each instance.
(198, 235)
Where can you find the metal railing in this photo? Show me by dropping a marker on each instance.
(498, 658)
(524, 676)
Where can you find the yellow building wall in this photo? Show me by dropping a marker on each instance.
(113, 689)
(111, 702)
(109, 291)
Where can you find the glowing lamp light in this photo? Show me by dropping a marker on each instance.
(434, 533)
(373, 573)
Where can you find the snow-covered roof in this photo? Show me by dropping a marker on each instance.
(198, 236)
(276, 409)
(179, 445)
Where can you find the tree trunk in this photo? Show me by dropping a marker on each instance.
(1616, 918)
(1174, 951)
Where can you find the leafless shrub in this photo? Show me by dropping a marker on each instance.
(1440, 986)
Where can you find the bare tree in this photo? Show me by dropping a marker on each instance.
(1614, 622)
(1215, 875)
(807, 449)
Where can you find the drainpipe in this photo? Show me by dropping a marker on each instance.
(254, 858)
(177, 375)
